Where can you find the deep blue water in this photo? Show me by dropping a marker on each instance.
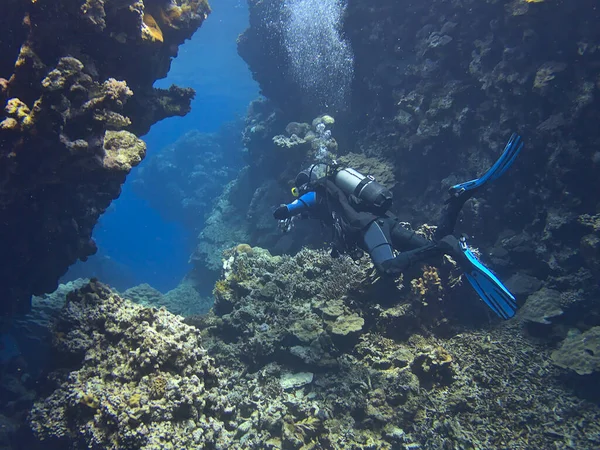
(143, 247)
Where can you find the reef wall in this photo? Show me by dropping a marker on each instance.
(76, 92)
(438, 89)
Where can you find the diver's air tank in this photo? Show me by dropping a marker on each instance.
(373, 195)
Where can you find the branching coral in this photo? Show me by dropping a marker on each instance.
(429, 285)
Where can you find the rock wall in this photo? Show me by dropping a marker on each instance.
(76, 89)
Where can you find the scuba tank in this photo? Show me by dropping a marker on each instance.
(372, 195)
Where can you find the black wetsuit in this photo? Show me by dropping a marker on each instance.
(376, 234)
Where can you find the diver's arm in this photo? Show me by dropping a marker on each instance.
(298, 206)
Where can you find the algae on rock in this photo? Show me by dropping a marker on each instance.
(580, 352)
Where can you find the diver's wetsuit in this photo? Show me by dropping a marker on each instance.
(378, 235)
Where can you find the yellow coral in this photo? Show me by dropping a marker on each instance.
(9, 124)
(158, 387)
(90, 401)
(221, 288)
(430, 284)
(244, 248)
(170, 15)
(441, 356)
(134, 401)
(16, 107)
(151, 30)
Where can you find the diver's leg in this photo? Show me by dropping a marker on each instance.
(377, 243)
(378, 239)
(449, 216)
(414, 247)
(404, 239)
(460, 193)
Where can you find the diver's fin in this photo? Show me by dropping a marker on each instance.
(488, 286)
(512, 149)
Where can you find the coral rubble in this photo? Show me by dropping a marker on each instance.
(76, 90)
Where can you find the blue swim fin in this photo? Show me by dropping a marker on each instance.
(512, 149)
(488, 286)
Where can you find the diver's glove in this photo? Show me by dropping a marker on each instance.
(281, 213)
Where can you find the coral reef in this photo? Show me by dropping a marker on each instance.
(243, 211)
(439, 86)
(137, 377)
(153, 387)
(184, 300)
(75, 89)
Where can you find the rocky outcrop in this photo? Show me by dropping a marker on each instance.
(76, 91)
(263, 49)
(244, 210)
(184, 300)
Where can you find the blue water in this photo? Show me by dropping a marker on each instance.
(144, 247)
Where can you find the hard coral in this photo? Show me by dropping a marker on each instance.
(90, 401)
(429, 285)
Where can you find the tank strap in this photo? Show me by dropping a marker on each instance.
(366, 180)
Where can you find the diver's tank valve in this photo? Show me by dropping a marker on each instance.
(373, 195)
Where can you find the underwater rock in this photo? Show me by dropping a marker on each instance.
(143, 294)
(183, 300)
(378, 168)
(295, 380)
(69, 119)
(33, 331)
(580, 352)
(238, 379)
(522, 284)
(542, 306)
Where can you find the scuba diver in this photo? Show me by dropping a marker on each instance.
(356, 207)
